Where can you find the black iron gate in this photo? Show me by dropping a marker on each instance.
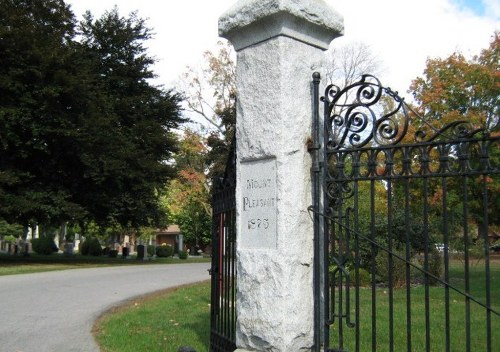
(403, 209)
(223, 270)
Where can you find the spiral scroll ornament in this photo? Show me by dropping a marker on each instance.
(364, 112)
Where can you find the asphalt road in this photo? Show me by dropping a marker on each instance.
(55, 311)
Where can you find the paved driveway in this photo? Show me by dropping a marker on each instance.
(55, 311)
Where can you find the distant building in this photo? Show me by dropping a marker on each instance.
(171, 236)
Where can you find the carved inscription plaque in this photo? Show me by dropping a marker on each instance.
(258, 204)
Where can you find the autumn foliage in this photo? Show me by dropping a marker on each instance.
(455, 88)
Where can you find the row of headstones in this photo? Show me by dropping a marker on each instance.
(25, 247)
(15, 248)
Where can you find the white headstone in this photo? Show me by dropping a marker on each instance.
(279, 45)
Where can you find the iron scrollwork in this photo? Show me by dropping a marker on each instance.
(362, 112)
(365, 121)
(366, 113)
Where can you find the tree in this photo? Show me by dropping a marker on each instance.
(131, 136)
(83, 134)
(37, 92)
(7, 229)
(457, 89)
(211, 94)
(345, 64)
(188, 196)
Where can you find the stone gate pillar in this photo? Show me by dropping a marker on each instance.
(279, 44)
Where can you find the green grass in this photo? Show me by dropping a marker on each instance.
(163, 322)
(182, 317)
(437, 308)
(18, 264)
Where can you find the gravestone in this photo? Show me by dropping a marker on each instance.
(279, 44)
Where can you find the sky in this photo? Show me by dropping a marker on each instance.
(402, 34)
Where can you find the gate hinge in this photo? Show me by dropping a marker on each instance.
(316, 167)
(311, 146)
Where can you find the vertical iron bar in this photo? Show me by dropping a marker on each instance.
(340, 289)
(485, 231)
(466, 261)
(214, 279)
(220, 300)
(325, 231)
(332, 281)
(426, 264)
(229, 303)
(233, 273)
(220, 273)
(408, 258)
(373, 269)
(347, 257)
(391, 265)
(337, 284)
(226, 277)
(446, 240)
(356, 259)
(316, 183)
(222, 276)
(326, 280)
(229, 276)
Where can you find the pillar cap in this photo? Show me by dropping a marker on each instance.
(250, 22)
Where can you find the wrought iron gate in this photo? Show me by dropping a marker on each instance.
(403, 208)
(223, 270)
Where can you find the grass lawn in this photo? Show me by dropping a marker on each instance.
(18, 264)
(437, 307)
(162, 322)
(182, 317)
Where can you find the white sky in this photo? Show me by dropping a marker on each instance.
(401, 33)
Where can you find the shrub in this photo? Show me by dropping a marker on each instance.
(44, 245)
(164, 251)
(95, 248)
(397, 269)
(183, 255)
(84, 247)
(434, 265)
(91, 246)
(365, 278)
(151, 250)
(113, 253)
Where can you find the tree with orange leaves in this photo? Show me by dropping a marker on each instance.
(188, 195)
(457, 89)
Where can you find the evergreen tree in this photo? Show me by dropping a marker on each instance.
(37, 114)
(131, 136)
(84, 135)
